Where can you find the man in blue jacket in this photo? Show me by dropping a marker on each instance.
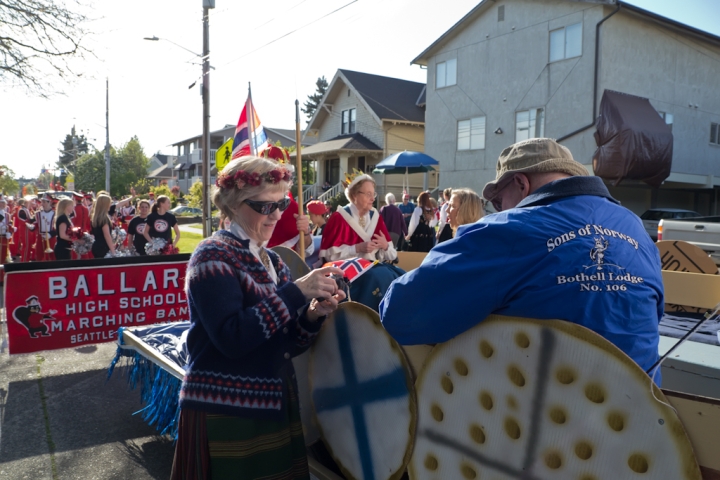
(560, 248)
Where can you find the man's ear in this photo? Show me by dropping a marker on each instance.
(522, 182)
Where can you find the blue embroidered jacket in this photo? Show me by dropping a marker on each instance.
(244, 331)
(568, 251)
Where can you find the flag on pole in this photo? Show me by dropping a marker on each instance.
(241, 144)
(352, 268)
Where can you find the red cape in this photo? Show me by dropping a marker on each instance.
(338, 232)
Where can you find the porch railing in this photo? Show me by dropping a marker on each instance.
(331, 192)
(309, 192)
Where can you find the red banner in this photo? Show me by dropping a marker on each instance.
(70, 307)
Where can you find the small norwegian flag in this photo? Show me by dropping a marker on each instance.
(352, 268)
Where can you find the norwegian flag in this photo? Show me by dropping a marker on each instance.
(352, 268)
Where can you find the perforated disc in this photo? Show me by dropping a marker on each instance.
(363, 395)
(516, 398)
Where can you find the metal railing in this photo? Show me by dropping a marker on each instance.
(309, 192)
(336, 189)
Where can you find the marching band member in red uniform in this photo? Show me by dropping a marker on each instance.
(5, 236)
(81, 218)
(46, 235)
(25, 235)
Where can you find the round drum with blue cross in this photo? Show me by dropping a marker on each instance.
(363, 395)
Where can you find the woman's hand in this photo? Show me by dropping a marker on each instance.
(326, 307)
(364, 247)
(302, 222)
(317, 284)
(379, 242)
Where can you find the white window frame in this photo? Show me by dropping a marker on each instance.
(471, 133)
(716, 128)
(561, 35)
(668, 117)
(538, 131)
(349, 126)
(442, 79)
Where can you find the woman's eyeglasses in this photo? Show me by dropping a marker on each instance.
(266, 208)
(372, 195)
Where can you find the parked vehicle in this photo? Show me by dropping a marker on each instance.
(185, 211)
(703, 232)
(651, 218)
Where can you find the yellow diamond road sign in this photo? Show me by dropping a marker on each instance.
(223, 155)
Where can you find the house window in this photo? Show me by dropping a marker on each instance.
(566, 42)
(529, 124)
(446, 73)
(471, 134)
(361, 164)
(668, 117)
(182, 174)
(348, 121)
(715, 133)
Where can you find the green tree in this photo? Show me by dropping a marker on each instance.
(128, 167)
(8, 184)
(313, 101)
(73, 147)
(164, 190)
(195, 195)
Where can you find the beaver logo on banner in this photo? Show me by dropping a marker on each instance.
(33, 318)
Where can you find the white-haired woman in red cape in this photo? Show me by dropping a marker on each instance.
(358, 230)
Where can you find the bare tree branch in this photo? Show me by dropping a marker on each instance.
(38, 40)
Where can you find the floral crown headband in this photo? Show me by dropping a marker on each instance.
(241, 178)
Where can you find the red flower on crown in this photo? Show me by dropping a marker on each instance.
(242, 178)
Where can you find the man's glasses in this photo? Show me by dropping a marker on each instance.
(266, 208)
(497, 201)
(372, 195)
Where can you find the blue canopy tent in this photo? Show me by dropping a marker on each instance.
(407, 163)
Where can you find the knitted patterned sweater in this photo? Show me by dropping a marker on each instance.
(244, 331)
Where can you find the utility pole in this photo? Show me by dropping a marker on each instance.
(107, 135)
(206, 209)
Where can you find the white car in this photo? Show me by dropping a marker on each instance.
(652, 217)
(183, 210)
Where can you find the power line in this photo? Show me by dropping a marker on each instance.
(289, 33)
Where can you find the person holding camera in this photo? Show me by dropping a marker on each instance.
(248, 319)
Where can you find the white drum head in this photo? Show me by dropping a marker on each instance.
(363, 395)
(516, 398)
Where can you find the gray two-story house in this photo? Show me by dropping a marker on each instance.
(516, 69)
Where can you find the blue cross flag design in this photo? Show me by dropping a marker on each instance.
(356, 395)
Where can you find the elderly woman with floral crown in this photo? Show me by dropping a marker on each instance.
(358, 230)
(239, 414)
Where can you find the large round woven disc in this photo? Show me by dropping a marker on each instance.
(363, 396)
(515, 398)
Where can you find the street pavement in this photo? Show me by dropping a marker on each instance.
(60, 418)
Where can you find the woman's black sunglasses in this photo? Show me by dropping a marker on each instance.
(266, 208)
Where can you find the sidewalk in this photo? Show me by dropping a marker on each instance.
(61, 419)
(190, 229)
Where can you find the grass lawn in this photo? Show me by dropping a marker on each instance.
(188, 242)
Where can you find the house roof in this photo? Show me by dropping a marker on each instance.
(161, 172)
(483, 6)
(354, 142)
(386, 98)
(389, 98)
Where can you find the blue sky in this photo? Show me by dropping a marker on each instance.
(149, 95)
